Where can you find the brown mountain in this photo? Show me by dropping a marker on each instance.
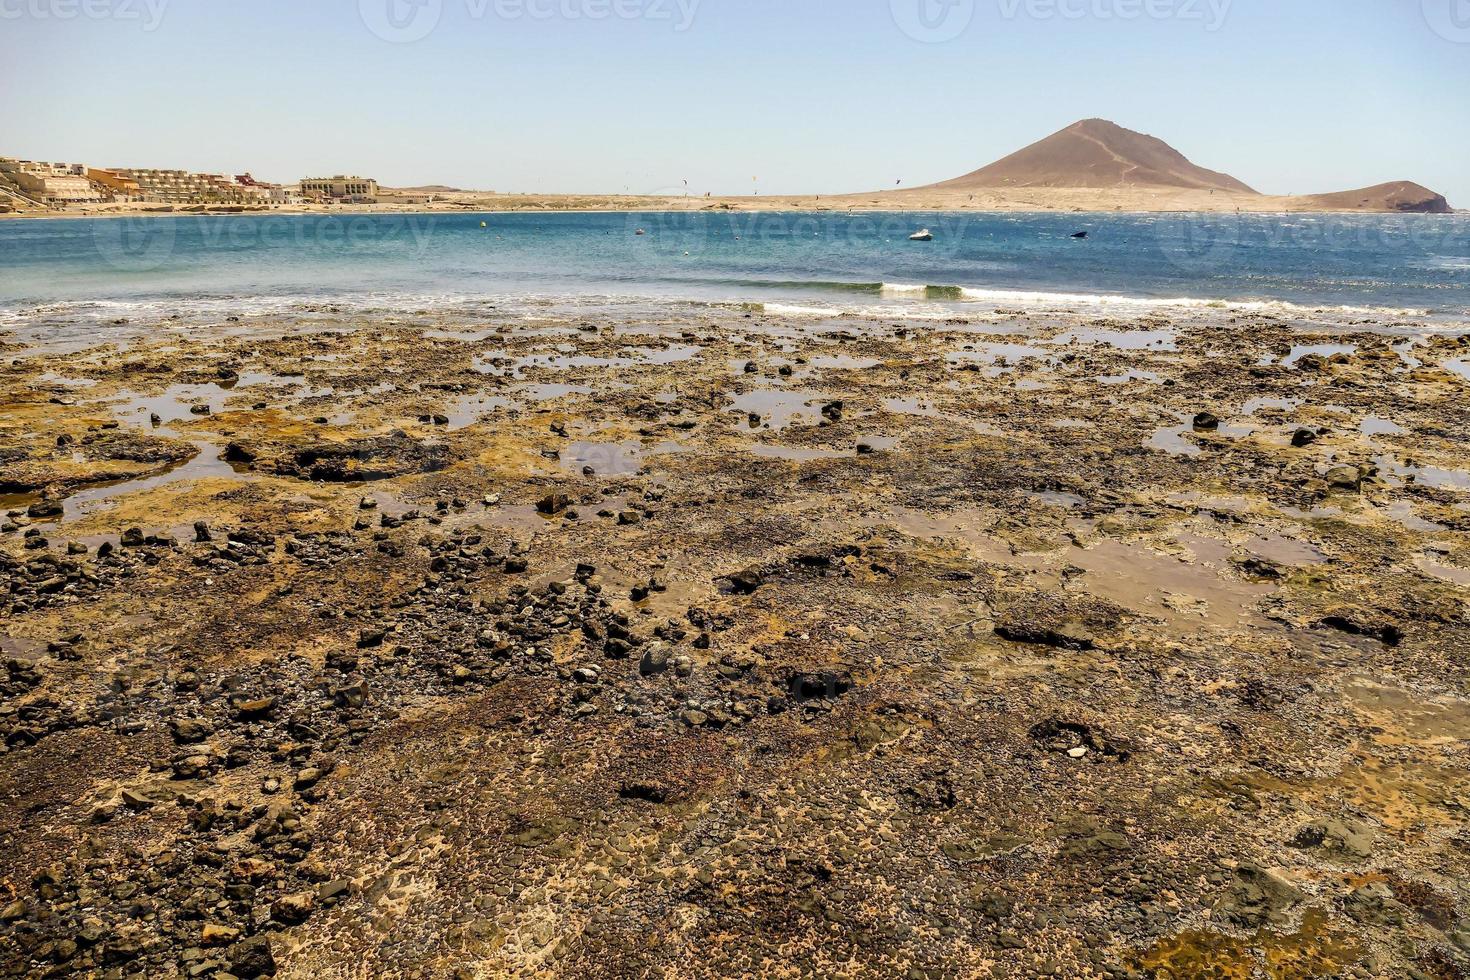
(1405, 196)
(1099, 154)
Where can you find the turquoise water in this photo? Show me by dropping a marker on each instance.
(74, 269)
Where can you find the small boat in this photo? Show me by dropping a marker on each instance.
(640, 231)
(1080, 235)
(484, 224)
(925, 235)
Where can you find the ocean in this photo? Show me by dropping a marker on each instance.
(79, 271)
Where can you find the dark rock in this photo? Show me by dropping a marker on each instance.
(1374, 904)
(251, 709)
(655, 659)
(644, 792)
(137, 800)
(1339, 837)
(1068, 736)
(293, 909)
(189, 730)
(45, 509)
(253, 958)
(745, 581)
(818, 686)
(237, 453)
(1364, 622)
(355, 461)
(1258, 898)
(553, 503)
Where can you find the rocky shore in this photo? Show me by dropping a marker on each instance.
(1028, 645)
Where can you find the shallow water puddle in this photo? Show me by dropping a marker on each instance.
(779, 408)
(1301, 351)
(19, 646)
(1259, 404)
(173, 405)
(1001, 358)
(1428, 476)
(17, 501)
(1136, 576)
(521, 517)
(1284, 550)
(969, 526)
(565, 360)
(1172, 439)
(207, 464)
(1131, 574)
(1402, 511)
(1375, 426)
(1133, 374)
(1448, 573)
(1208, 502)
(843, 362)
(923, 408)
(1057, 498)
(795, 454)
(1161, 340)
(613, 458)
(551, 392)
(912, 406)
(1398, 717)
(466, 410)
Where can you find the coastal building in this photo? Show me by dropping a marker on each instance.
(184, 187)
(51, 183)
(286, 194)
(116, 186)
(351, 189)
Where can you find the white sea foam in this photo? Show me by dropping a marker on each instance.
(796, 310)
(903, 300)
(1150, 302)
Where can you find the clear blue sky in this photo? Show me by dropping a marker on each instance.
(809, 95)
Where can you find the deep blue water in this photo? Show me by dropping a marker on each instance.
(836, 261)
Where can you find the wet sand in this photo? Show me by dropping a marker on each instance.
(1033, 644)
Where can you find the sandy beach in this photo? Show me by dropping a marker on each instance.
(1081, 200)
(1037, 643)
